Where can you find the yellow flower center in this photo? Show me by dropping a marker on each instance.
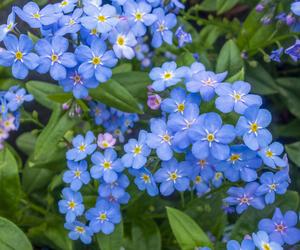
(218, 175)
(94, 32)
(138, 16)
(79, 229)
(198, 179)
(19, 55)
(102, 216)
(72, 204)
(36, 16)
(82, 147)
(173, 176)
(209, 82)
(101, 19)
(7, 123)
(254, 127)
(273, 186)
(96, 60)
(237, 97)
(161, 28)
(77, 173)
(106, 165)
(180, 107)
(105, 144)
(137, 150)
(202, 163)
(146, 178)
(168, 75)
(269, 153)
(64, 3)
(266, 246)
(166, 138)
(121, 40)
(72, 22)
(235, 157)
(210, 137)
(54, 58)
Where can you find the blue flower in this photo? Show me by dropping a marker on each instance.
(276, 54)
(78, 84)
(183, 37)
(245, 245)
(54, 57)
(166, 76)
(160, 139)
(144, 181)
(205, 82)
(181, 126)
(201, 184)
(123, 41)
(67, 6)
(8, 27)
(77, 175)
(194, 69)
(99, 112)
(271, 155)
(252, 126)
(241, 164)
(178, 100)
(16, 99)
(242, 198)
(70, 24)
(235, 97)
(35, 17)
(18, 55)
(79, 231)
(281, 228)
(103, 217)
(293, 51)
(272, 184)
(137, 151)
(103, 19)
(211, 137)
(106, 165)
(262, 241)
(83, 146)
(161, 29)
(96, 61)
(295, 8)
(139, 16)
(173, 175)
(71, 204)
(115, 192)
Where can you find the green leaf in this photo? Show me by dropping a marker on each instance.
(113, 94)
(145, 235)
(10, 187)
(208, 5)
(112, 241)
(47, 149)
(289, 89)
(248, 221)
(229, 59)
(185, 59)
(186, 231)
(209, 34)
(60, 97)
(293, 151)
(12, 237)
(41, 91)
(261, 81)
(26, 142)
(288, 130)
(123, 68)
(240, 76)
(6, 83)
(225, 5)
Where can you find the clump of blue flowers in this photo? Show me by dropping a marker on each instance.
(11, 102)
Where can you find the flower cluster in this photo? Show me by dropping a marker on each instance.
(114, 121)
(81, 41)
(273, 234)
(107, 169)
(10, 104)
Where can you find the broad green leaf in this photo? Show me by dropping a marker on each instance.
(135, 82)
(60, 97)
(123, 68)
(10, 187)
(261, 81)
(229, 59)
(288, 130)
(112, 241)
(41, 91)
(47, 149)
(26, 142)
(209, 34)
(6, 83)
(145, 235)
(113, 94)
(208, 5)
(52, 234)
(187, 232)
(248, 221)
(240, 76)
(12, 237)
(185, 59)
(289, 89)
(225, 5)
(293, 151)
